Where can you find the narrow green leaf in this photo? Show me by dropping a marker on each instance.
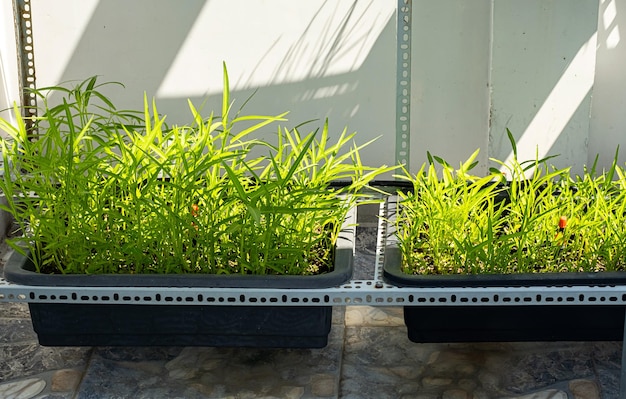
(512, 141)
(225, 96)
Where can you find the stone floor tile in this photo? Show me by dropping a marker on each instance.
(14, 310)
(547, 394)
(23, 389)
(137, 354)
(339, 315)
(456, 394)
(525, 370)
(366, 238)
(364, 267)
(365, 259)
(55, 384)
(65, 380)
(380, 362)
(14, 331)
(607, 358)
(584, 389)
(607, 355)
(373, 316)
(608, 383)
(19, 361)
(215, 372)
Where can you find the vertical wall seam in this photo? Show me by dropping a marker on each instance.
(403, 82)
(489, 85)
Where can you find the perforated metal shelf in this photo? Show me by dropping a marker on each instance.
(371, 292)
(367, 292)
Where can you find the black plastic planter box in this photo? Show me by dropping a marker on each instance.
(514, 323)
(505, 323)
(61, 324)
(116, 324)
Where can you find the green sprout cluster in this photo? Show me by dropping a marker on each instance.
(454, 222)
(102, 190)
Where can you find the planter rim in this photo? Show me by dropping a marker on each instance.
(393, 274)
(20, 270)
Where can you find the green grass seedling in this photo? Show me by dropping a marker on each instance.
(100, 190)
(456, 223)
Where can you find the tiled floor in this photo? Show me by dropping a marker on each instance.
(368, 356)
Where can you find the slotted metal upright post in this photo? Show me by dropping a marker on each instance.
(22, 12)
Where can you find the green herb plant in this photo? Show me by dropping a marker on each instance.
(101, 190)
(454, 222)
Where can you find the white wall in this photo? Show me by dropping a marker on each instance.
(542, 74)
(551, 71)
(450, 79)
(9, 85)
(317, 58)
(608, 116)
(481, 67)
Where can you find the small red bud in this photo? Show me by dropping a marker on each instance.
(563, 222)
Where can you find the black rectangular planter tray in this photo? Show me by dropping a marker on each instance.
(514, 323)
(70, 324)
(62, 324)
(505, 323)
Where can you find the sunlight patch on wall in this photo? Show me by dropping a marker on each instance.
(9, 87)
(560, 105)
(609, 23)
(56, 40)
(320, 93)
(274, 42)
